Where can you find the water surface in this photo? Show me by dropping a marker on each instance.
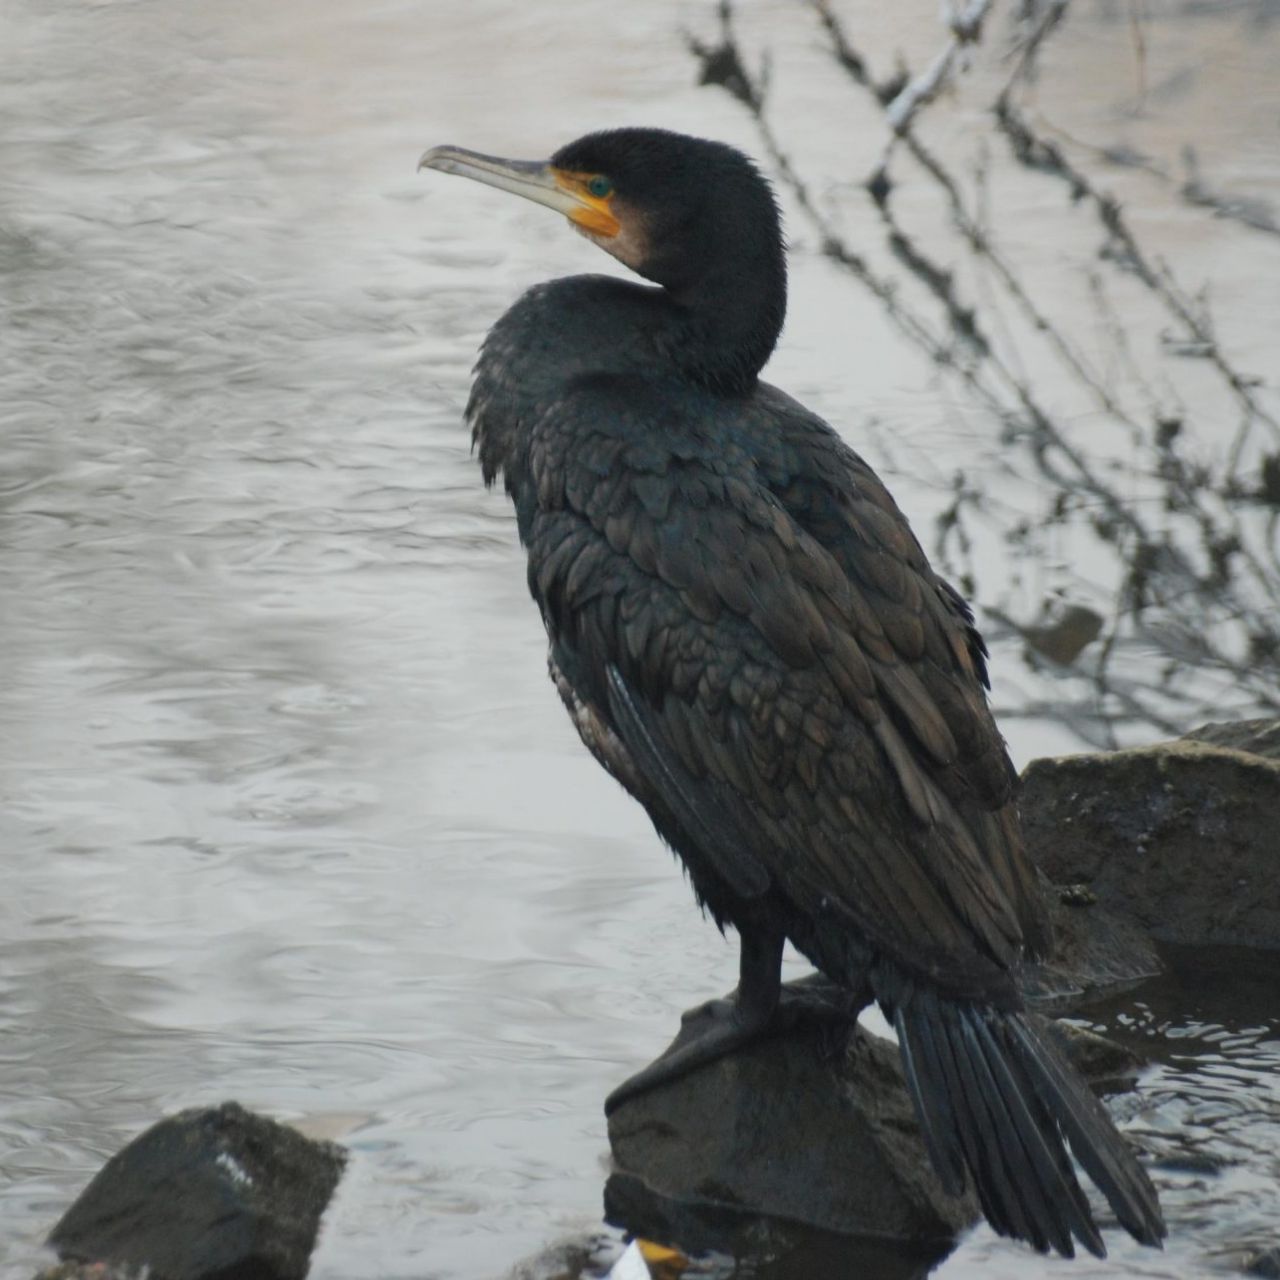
(290, 811)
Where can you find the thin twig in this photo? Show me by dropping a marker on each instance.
(1192, 576)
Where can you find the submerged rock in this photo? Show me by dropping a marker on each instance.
(1264, 1263)
(1179, 838)
(1107, 1066)
(218, 1192)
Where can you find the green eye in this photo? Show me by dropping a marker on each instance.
(599, 186)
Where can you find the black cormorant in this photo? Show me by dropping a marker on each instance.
(748, 636)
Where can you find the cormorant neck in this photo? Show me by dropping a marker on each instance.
(728, 321)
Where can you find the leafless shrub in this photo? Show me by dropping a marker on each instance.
(1189, 626)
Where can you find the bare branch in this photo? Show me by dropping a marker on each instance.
(1190, 545)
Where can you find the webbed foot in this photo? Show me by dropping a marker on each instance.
(719, 1028)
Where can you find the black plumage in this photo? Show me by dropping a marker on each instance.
(749, 637)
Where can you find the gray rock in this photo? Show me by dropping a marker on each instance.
(1264, 1263)
(219, 1192)
(1107, 1066)
(815, 1127)
(1179, 838)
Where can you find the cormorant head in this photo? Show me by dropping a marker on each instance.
(695, 216)
(680, 211)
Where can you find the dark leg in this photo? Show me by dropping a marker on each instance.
(761, 1007)
(718, 1027)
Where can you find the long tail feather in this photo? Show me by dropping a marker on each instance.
(1000, 1106)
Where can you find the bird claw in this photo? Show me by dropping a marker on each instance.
(710, 1009)
(719, 1028)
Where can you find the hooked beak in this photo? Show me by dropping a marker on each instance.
(536, 180)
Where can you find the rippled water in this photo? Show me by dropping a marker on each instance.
(290, 811)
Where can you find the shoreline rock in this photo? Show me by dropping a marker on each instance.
(814, 1127)
(1179, 838)
(210, 1192)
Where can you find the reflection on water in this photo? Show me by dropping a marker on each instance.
(290, 811)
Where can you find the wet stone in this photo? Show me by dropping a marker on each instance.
(216, 1192)
(1197, 1163)
(814, 1127)
(1107, 1066)
(1264, 1263)
(1176, 838)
